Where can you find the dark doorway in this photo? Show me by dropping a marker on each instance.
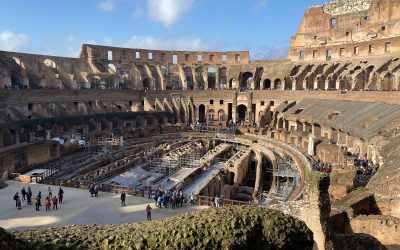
(202, 113)
(241, 113)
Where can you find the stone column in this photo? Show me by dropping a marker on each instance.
(316, 214)
(311, 143)
(258, 180)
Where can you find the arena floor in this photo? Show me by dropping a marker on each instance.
(77, 208)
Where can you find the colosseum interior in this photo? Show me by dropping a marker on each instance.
(218, 124)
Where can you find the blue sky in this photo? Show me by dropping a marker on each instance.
(59, 27)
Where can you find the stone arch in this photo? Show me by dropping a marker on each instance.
(211, 115)
(288, 84)
(211, 77)
(199, 77)
(156, 77)
(221, 115)
(50, 63)
(146, 83)
(387, 82)
(189, 77)
(266, 84)
(246, 79)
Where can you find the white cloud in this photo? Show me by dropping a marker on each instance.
(186, 43)
(14, 42)
(168, 11)
(266, 53)
(260, 4)
(107, 5)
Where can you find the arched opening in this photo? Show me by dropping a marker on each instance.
(199, 77)
(146, 84)
(156, 76)
(16, 80)
(257, 78)
(278, 83)
(247, 79)
(221, 115)
(211, 115)
(211, 77)
(222, 78)
(387, 82)
(189, 77)
(241, 113)
(112, 69)
(267, 84)
(202, 113)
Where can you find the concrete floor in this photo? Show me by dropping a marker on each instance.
(77, 208)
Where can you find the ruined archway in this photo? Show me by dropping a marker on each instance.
(267, 84)
(199, 77)
(277, 83)
(189, 78)
(246, 80)
(146, 84)
(211, 77)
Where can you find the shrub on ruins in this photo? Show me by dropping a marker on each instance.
(246, 227)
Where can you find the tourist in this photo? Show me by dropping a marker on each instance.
(40, 198)
(29, 197)
(55, 201)
(160, 201)
(192, 199)
(47, 203)
(216, 201)
(18, 202)
(96, 191)
(23, 192)
(16, 196)
(91, 190)
(37, 203)
(175, 201)
(181, 199)
(149, 191)
(50, 193)
(148, 211)
(60, 198)
(60, 195)
(123, 197)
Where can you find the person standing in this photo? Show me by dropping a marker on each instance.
(18, 201)
(37, 204)
(123, 197)
(55, 201)
(47, 203)
(216, 201)
(60, 195)
(23, 192)
(50, 193)
(148, 211)
(16, 196)
(192, 199)
(29, 197)
(40, 197)
(96, 191)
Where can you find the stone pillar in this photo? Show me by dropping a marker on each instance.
(326, 84)
(316, 83)
(294, 84)
(311, 143)
(304, 84)
(337, 84)
(258, 182)
(316, 214)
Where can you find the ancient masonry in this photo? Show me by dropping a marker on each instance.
(218, 124)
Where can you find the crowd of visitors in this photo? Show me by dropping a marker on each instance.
(49, 201)
(175, 199)
(365, 169)
(320, 166)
